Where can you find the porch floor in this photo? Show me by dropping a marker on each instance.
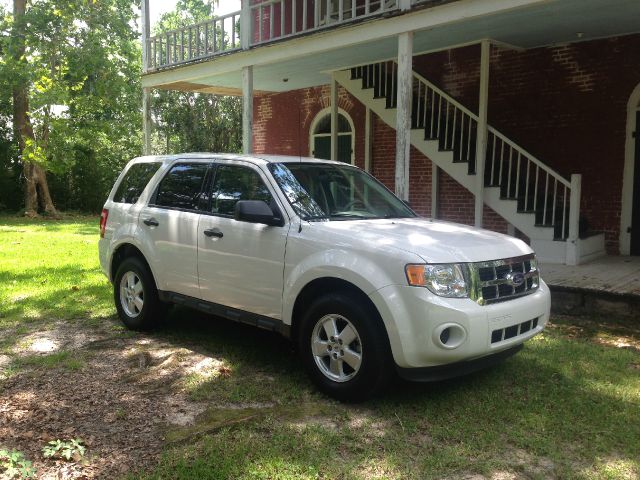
(618, 275)
(607, 288)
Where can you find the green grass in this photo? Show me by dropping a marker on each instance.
(49, 271)
(567, 406)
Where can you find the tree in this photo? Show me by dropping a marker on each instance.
(34, 174)
(74, 69)
(191, 121)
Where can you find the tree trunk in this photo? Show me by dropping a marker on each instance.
(36, 187)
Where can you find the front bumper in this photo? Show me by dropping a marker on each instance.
(414, 319)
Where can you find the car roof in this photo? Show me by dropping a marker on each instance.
(257, 159)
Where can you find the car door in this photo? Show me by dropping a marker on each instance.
(170, 226)
(241, 264)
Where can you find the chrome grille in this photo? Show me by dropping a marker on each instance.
(500, 280)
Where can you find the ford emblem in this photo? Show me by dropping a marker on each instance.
(517, 279)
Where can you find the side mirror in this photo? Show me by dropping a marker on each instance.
(256, 211)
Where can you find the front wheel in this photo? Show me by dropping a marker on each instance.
(345, 348)
(136, 296)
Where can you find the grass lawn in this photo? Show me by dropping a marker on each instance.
(567, 406)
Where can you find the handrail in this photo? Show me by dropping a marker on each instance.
(519, 175)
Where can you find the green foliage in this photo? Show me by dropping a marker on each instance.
(81, 66)
(15, 465)
(65, 449)
(188, 121)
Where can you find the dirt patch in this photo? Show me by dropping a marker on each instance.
(121, 400)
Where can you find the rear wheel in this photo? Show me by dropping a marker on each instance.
(136, 296)
(345, 348)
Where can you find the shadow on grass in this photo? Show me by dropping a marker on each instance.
(571, 403)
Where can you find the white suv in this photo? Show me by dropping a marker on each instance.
(323, 253)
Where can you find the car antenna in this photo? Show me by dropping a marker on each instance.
(299, 154)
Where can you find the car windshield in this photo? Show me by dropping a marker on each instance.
(325, 191)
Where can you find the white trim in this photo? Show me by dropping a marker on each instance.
(627, 177)
(334, 118)
(481, 140)
(403, 114)
(368, 140)
(321, 114)
(420, 19)
(247, 110)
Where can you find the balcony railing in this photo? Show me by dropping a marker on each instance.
(265, 21)
(201, 40)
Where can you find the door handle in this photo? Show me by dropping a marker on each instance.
(213, 232)
(152, 222)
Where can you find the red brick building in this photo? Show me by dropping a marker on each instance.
(517, 115)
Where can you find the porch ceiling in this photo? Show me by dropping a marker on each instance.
(524, 24)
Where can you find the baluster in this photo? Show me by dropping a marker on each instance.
(206, 37)
(353, 9)
(446, 126)
(518, 176)
(509, 177)
(424, 106)
(535, 191)
(564, 212)
(367, 7)
(190, 44)
(282, 18)
(553, 214)
(469, 140)
(340, 7)
(501, 163)
(439, 115)
(271, 22)
(293, 16)
(453, 128)
(461, 139)
(418, 102)
(493, 159)
(304, 15)
(168, 52)
(526, 187)
(198, 43)
(546, 196)
(260, 20)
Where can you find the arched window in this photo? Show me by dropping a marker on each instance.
(320, 136)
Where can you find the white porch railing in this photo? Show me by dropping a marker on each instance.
(538, 189)
(205, 39)
(276, 19)
(267, 21)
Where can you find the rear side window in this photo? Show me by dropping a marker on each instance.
(182, 187)
(234, 183)
(134, 182)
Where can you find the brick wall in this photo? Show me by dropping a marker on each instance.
(564, 104)
(281, 121)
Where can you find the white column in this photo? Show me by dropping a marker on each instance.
(334, 118)
(144, 15)
(247, 109)
(368, 143)
(146, 121)
(481, 141)
(434, 190)
(574, 220)
(403, 119)
(404, 4)
(245, 24)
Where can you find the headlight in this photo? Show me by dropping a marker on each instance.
(445, 280)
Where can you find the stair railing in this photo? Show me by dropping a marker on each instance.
(536, 187)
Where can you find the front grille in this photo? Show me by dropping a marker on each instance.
(500, 280)
(502, 334)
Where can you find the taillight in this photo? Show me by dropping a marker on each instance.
(103, 221)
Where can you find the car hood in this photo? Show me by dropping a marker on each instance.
(434, 241)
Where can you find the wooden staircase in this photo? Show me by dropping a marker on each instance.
(530, 195)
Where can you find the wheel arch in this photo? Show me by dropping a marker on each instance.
(124, 251)
(326, 285)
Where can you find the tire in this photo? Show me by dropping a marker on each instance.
(356, 363)
(136, 296)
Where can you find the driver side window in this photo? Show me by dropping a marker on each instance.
(234, 183)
